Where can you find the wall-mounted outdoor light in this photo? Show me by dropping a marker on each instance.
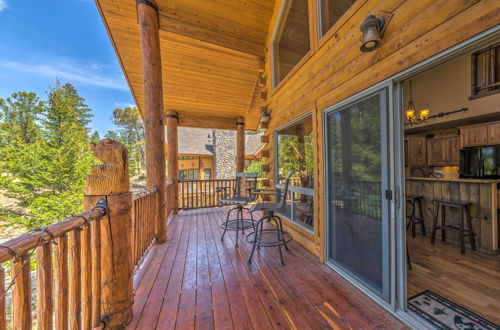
(372, 33)
(265, 116)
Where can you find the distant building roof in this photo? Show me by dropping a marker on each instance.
(253, 144)
(195, 141)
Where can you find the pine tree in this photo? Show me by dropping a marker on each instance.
(47, 175)
(131, 133)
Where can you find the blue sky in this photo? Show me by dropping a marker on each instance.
(45, 40)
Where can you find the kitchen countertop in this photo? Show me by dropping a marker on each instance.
(454, 180)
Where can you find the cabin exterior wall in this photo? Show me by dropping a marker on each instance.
(336, 69)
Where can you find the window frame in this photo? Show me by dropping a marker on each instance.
(334, 29)
(312, 39)
(293, 189)
(475, 93)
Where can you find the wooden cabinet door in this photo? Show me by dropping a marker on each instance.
(474, 136)
(417, 148)
(494, 133)
(452, 151)
(435, 152)
(443, 151)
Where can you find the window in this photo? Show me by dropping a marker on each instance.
(486, 72)
(187, 157)
(330, 12)
(189, 174)
(291, 38)
(295, 155)
(207, 174)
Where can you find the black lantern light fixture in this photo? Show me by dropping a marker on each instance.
(372, 33)
(265, 115)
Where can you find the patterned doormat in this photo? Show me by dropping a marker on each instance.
(444, 314)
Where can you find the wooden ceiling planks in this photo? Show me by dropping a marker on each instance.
(210, 55)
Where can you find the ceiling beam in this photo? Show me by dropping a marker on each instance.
(173, 25)
(207, 122)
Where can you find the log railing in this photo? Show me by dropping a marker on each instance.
(143, 224)
(66, 262)
(194, 194)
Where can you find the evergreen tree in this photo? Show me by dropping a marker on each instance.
(46, 175)
(95, 137)
(131, 133)
(19, 118)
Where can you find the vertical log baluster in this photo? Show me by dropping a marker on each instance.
(74, 279)
(134, 229)
(3, 310)
(95, 228)
(61, 283)
(21, 293)
(44, 287)
(86, 267)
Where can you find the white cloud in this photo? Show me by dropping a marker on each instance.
(3, 4)
(71, 71)
(124, 104)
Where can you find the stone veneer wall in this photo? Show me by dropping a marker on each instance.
(225, 154)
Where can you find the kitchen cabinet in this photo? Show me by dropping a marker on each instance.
(443, 151)
(494, 133)
(416, 150)
(473, 136)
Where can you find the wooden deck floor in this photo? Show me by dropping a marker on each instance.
(197, 281)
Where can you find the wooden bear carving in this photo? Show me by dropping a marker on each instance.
(111, 177)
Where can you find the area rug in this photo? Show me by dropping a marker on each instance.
(444, 314)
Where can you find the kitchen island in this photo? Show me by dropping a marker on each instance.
(482, 193)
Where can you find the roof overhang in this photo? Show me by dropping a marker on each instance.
(211, 52)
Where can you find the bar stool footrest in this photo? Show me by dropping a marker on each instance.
(238, 224)
(268, 237)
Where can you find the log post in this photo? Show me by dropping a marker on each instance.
(147, 15)
(240, 144)
(173, 159)
(3, 304)
(110, 181)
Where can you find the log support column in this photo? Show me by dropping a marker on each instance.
(147, 14)
(240, 144)
(173, 159)
(110, 182)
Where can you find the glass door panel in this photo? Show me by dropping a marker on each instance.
(358, 216)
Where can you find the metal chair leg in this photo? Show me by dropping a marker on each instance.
(260, 222)
(281, 231)
(280, 237)
(227, 219)
(237, 225)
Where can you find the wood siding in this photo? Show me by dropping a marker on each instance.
(336, 68)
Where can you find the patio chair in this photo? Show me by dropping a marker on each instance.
(243, 193)
(274, 236)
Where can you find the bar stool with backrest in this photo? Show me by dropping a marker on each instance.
(464, 226)
(415, 203)
(273, 236)
(243, 193)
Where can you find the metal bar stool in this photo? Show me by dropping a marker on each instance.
(464, 227)
(274, 236)
(416, 204)
(243, 193)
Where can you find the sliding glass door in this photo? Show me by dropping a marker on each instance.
(358, 230)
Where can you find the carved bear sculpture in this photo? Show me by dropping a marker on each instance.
(111, 177)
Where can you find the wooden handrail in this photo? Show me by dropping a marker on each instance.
(28, 241)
